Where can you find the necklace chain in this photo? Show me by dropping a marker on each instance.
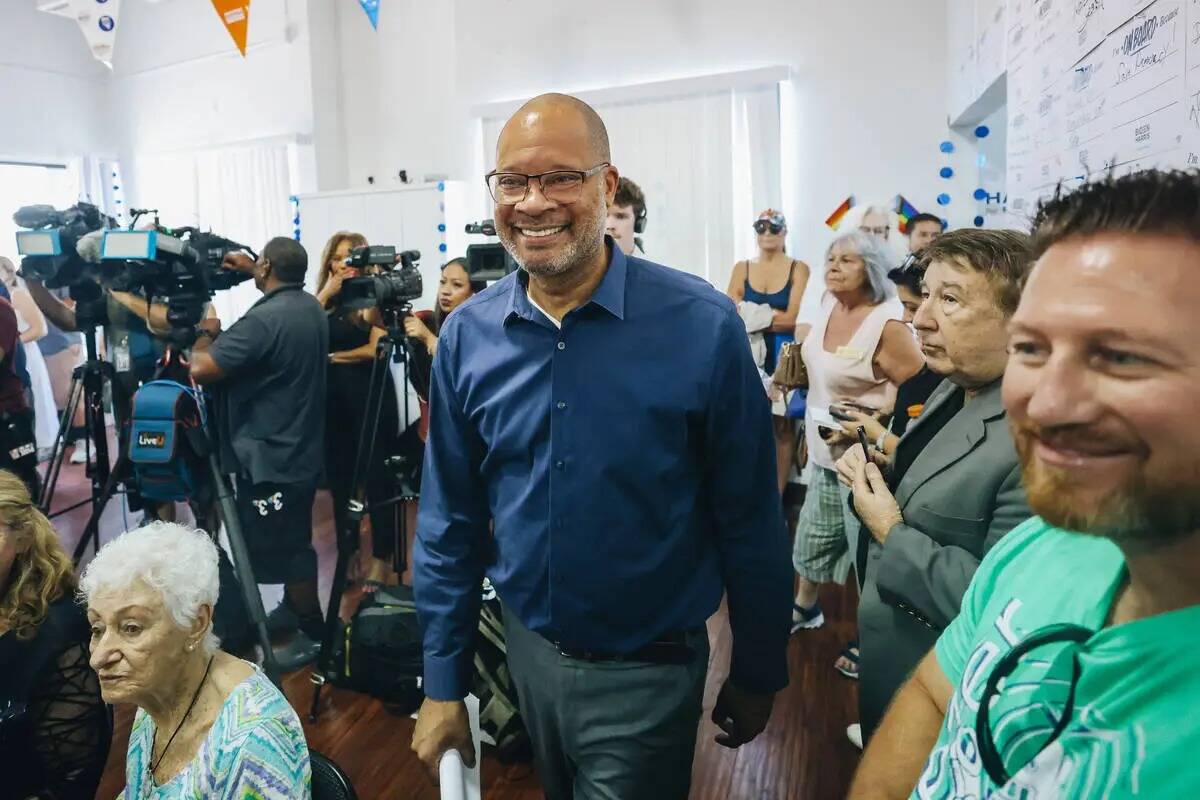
(154, 764)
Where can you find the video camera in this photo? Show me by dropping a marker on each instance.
(487, 262)
(182, 265)
(49, 249)
(388, 288)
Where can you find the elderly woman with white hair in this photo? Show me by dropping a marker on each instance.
(857, 353)
(208, 724)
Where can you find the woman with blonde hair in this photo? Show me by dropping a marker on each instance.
(54, 727)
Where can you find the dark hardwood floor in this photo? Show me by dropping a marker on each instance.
(802, 755)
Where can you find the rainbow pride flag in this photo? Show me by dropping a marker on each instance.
(835, 219)
(905, 211)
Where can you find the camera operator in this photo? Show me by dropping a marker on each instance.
(454, 289)
(270, 367)
(627, 217)
(18, 450)
(353, 337)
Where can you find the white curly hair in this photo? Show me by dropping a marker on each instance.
(178, 562)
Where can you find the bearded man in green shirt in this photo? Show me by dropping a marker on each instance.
(1073, 669)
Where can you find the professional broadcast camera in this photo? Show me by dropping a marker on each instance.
(49, 249)
(388, 288)
(181, 265)
(487, 262)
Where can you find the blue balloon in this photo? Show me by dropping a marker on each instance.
(441, 186)
(979, 222)
(981, 194)
(946, 172)
(442, 247)
(947, 147)
(943, 199)
(983, 131)
(441, 227)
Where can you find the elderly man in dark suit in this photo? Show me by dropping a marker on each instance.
(953, 486)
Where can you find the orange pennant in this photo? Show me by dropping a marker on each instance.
(236, 16)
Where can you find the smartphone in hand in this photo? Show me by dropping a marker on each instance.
(862, 439)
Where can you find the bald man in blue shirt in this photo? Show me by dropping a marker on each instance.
(605, 415)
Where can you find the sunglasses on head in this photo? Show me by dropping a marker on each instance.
(762, 226)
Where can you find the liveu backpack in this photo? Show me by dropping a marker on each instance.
(167, 443)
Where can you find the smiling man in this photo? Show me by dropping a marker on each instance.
(606, 414)
(1072, 669)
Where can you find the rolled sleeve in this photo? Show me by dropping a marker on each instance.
(452, 528)
(748, 516)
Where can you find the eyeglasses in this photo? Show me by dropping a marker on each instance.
(762, 226)
(881, 232)
(1021, 742)
(560, 186)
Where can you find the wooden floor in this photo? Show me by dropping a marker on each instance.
(802, 755)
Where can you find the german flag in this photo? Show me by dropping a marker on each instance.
(835, 219)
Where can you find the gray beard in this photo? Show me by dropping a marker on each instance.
(582, 248)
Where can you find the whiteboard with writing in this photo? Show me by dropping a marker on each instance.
(1099, 85)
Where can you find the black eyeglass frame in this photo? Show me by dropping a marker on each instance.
(583, 174)
(1051, 634)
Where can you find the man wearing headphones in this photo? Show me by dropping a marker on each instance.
(627, 216)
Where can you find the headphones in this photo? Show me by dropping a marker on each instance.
(639, 221)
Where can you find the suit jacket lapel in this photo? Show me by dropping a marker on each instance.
(960, 436)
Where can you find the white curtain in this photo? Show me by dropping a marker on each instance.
(708, 163)
(238, 192)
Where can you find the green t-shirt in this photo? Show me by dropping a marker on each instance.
(1135, 727)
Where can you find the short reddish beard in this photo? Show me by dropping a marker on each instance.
(1151, 510)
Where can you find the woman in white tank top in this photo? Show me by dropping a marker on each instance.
(859, 350)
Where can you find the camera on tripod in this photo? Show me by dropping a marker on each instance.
(182, 265)
(389, 288)
(487, 262)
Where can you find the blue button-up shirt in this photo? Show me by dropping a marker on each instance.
(627, 462)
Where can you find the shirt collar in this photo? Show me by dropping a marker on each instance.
(609, 295)
(283, 287)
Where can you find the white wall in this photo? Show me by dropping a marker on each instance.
(868, 99)
(53, 93)
(180, 84)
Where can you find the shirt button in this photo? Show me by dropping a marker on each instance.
(561, 405)
(562, 345)
(560, 464)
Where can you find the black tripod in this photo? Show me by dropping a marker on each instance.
(393, 346)
(201, 443)
(87, 385)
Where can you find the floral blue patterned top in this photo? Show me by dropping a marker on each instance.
(254, 751)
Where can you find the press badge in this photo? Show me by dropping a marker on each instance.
(121, 359)
(850, 353)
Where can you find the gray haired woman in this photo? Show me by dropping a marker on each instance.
(208, 724)
(857, 353)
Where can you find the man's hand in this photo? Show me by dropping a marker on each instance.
(873, 501)
(238, 262)
(741, 715)
(442, 726)
(851, 460)
(861, 419)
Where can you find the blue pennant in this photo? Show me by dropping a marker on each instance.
(372, 9)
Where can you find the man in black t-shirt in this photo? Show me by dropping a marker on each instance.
(269, 369)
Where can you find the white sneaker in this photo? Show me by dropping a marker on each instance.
(80, 454)
(854, 734)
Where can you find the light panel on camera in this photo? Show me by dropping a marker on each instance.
(130, 244)
(39, 243)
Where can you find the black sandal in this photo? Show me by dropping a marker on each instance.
(849, 653)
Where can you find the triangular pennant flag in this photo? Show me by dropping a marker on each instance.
(905, 211)
(372, 9)
(835, 219)
(98, 21)
(236, 16)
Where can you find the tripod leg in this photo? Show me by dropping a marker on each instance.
(91, 531)
(347, 536)
(245, 573)
(74, 396)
